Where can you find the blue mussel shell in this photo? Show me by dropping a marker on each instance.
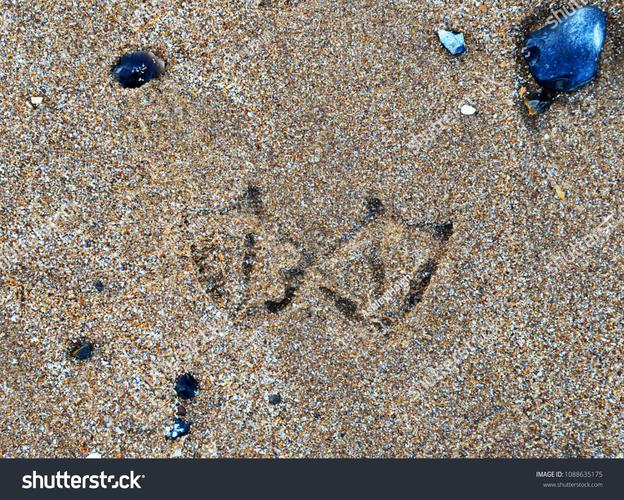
(565, 55)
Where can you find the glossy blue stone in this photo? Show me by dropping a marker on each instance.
(565, 55)
(137, 68)
(186, 386)
(452, 41)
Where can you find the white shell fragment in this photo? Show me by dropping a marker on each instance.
(452, 41)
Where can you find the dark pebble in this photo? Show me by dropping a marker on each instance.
(275, 399)
(564, 56)
(99, 286)
(180, 428)
(137, 68)
(82, 350)
(186, 386)
(181, 411)
(538, 102)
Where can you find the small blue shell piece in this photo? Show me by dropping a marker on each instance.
(452, 41)
(82, 350)
(565, 55)
(135, 69)
(180, 428)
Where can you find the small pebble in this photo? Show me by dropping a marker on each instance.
(275, 399)
(467, 110)
(137, 68)
(94, 454)
(36, 100)
(452, 41)
(538, 102)
(82, 350)
(181, 411)
(186, 386)
(99, 286)
(180, 428)
(565, 56)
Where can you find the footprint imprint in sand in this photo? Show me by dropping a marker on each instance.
(377, 272)
(384, 269)
(245, 263)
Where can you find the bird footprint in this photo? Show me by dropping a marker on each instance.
(244, 262)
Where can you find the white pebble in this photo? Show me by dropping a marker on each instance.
(36, 100)
(94, 454)
(468, 110)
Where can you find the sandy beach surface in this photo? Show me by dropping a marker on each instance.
(298, 207)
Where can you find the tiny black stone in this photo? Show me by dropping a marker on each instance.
(275, 399)
(135, 69)
(99, 286)
(186, 386)
(82, 350)
(250, 240)
(374, 206)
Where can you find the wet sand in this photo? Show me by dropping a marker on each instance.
(297, 206)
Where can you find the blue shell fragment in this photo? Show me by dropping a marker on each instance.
(135, 69)
(180, 428)
(82, 350)
(452, 41)
(186, 386)
(565, 55)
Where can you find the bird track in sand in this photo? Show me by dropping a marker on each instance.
(377, 272)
